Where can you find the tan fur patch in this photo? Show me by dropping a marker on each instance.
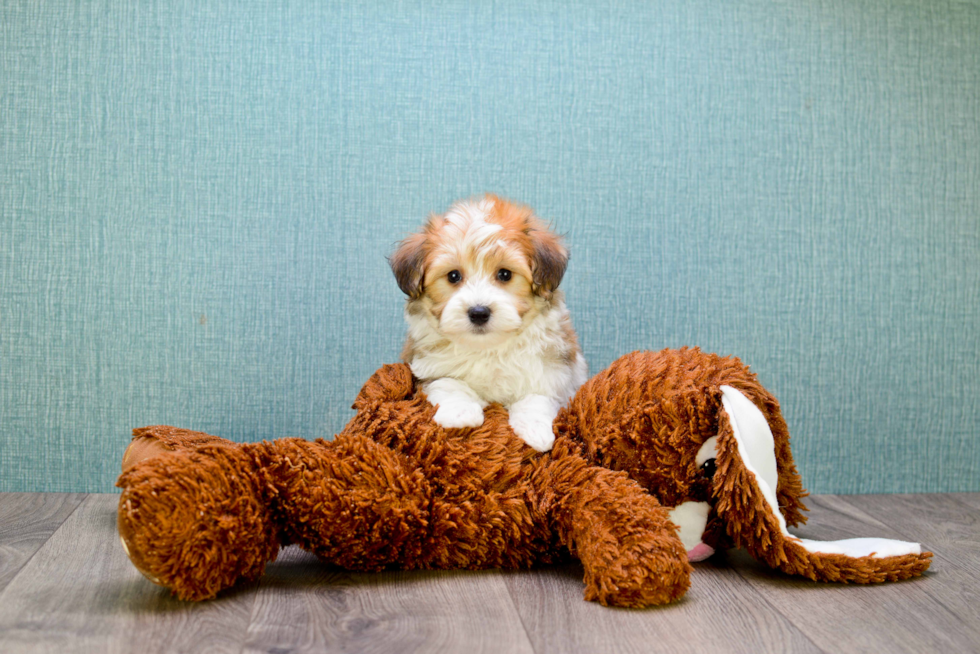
(541, 247)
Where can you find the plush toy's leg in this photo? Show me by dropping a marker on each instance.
(623, 537)
(352, 502)
(744, 483)
(195, 519)
(149, 441)
(200, 514)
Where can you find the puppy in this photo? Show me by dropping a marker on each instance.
(486, 322)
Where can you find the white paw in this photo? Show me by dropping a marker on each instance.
(459, 413)
(534, 429)
(531, 419)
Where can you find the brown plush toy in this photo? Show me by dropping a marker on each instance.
(660, 458)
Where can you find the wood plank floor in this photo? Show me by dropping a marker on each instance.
(66, 586)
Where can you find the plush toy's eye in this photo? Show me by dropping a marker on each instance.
(503, 275)
(454, 276)
(708, 468)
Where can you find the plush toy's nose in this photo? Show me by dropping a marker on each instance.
(479, 315)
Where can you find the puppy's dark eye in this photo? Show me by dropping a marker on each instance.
(708, 468)
(454, 276)
(503, 275)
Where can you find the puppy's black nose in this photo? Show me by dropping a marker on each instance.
(479, 315)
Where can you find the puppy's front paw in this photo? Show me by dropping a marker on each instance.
(459, 413)
(531, 420)
(535, 430)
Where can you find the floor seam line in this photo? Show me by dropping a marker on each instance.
(41, 546)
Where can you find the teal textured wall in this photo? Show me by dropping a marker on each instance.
(196, 201)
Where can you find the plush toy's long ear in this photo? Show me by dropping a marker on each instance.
(744, 486)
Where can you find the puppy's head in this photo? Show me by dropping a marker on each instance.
(480, 270)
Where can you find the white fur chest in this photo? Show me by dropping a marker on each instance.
(537, 360)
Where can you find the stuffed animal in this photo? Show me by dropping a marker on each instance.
(660, 459)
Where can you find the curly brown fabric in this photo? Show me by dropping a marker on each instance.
(195, 519)
(393, 490)
(199, 514)
(649, 412)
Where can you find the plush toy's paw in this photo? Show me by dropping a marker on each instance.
(639, 574)
(531, 419)
(624, 538)
(627, 544)
(194, 520)
(459, 413)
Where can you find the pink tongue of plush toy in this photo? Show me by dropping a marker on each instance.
(700, 552)
(690, 518)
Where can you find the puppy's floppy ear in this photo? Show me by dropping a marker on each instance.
(408, 264)
(549, 258)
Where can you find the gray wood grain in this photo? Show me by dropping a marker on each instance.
(304, 606)
(949, 526)
(969, 499)
(719, 613)
(79, 593)
(27, 520)
(896, 617)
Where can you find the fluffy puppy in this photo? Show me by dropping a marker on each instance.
(486, 322)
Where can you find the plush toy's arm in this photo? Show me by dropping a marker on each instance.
(623, 537)
(202, 518)
(389, 383)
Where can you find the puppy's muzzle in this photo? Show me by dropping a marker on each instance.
(479, 315)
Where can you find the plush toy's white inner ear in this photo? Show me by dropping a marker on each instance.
(758, 452)
(756, 446)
